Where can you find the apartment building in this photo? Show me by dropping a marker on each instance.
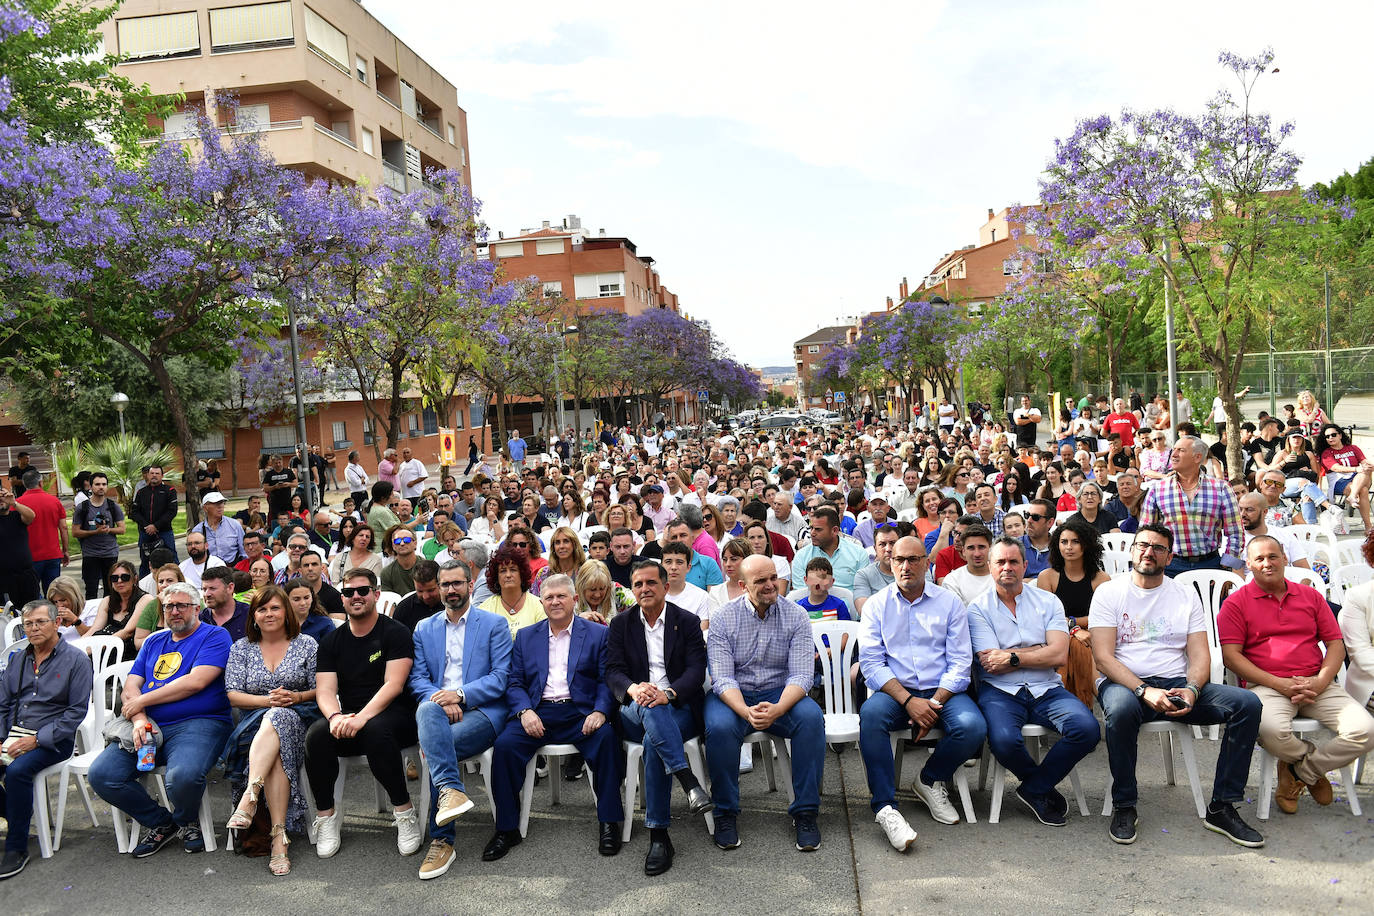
(336, 93)
(975, 275)
(809, 351)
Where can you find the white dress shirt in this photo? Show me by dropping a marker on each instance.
(455, 635)
(653, 639)
(560, 642)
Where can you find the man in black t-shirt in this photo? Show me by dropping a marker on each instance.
(278, 483)
(425, 601)
(361, 673)
(622, 556)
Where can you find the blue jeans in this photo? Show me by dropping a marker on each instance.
(189, 749)
(16, 792)
(661, 729)
(444, 744)
(1312, 497)
(1179, 564)
(881, 715)
(1057, 709)
(46, 571)
(1239, 710)
(804, 723)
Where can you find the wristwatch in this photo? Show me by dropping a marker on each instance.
(1015, 660)
(462, 697)
(1140, 691)
(671, 694)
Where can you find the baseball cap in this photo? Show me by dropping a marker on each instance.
(214, 496)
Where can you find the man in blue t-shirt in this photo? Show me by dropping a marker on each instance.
(517, 449)
(177, 685)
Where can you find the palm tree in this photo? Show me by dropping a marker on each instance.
(122, 458)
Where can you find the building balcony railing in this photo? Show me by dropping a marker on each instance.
(389, 100)
(393, 178)
(340, 137)
(426, 126)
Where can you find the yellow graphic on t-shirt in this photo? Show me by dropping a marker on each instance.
(168, 663)
(374, 657)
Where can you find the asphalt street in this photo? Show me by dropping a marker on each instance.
(1317, 861)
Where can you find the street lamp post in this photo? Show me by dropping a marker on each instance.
(120, 400)
(302, 449)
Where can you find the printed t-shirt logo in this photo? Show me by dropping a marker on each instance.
(168, 663)
(374, 656)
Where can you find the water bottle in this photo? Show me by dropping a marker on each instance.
(147, 754)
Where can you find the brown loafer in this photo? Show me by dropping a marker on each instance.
(1289, 788)
(1321, 791)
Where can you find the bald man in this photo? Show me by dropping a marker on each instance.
(1253, 508)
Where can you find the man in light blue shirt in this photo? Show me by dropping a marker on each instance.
(1020, 635)
(915, 656)
(846, 557)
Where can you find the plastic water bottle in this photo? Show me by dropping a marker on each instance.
(147, 754)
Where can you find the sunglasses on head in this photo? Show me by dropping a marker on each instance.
(120, 577)
(362, 591)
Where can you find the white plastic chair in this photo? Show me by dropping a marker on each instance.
(929, 741)
(88, 611)
(585, 535)
(1268, 767)
(1213, 585)
(103, 650)
(1306, 577)
(386, 603)
(1349, 551)
(383, 802)
(1347, 577)
(105, 689)
(1034, 735)
(1116, 562)
(1318, 540)
(844, 594)
(126, 825)
(841, 716)
(14, 631)
(634, 767)
(1117, 540)
(906, 515)
(1170, 731)
(553, 753)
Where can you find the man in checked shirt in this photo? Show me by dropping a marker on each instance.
(1200, 511)
(762, 663)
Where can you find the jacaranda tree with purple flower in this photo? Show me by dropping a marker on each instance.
(914, 342)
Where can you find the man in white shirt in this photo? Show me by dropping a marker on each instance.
(198, 558)
(1149, 638)
(784, 519)
(906, 494)
(1252, 511)
(968, 582)
(412, 473)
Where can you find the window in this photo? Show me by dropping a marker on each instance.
(975, 309)
(366, 136)
(210, 445)
(181, 124)
(553, 289)
(457, 418)
(1011, 267)
(339, 430)
(413, 425)
(243, 28)
(599, 286)
(253, 117)
(452, 136)
(509, 249)
(431, 421)
(169, 35)
(326, 40)
(548, 246)
(813, 348)
(278, 439)
(360, 64)
(477, 414)
(464, 151)
(368, 437)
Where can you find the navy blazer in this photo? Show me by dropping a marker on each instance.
(684, 653)
(529, 668)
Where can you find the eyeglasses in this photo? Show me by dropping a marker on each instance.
(1333, 435)
(1271, 483)
(447, 586)
(399, 541)
(35, 624)
(362, 591)
(1035, 516)
(120, 577)
(179, 606)
(295, 546)
(1151, 548)
(519, 543)
(903, 561)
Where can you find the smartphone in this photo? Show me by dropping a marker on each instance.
(1178, 701)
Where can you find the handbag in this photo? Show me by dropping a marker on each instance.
(1080, 672)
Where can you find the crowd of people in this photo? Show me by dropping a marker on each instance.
(662, 589)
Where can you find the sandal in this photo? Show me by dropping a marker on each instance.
(279, 864)
(242, 818)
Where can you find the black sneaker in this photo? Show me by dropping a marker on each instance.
(1122, 829)
(572, 768)
(153, 839)
(727, 832)
(13, 863)
(1042, 808)
(1057, 801)
(808, 831)
(191, 838)
(1226, 821)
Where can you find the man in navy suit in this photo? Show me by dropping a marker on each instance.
(462, 662)
(655, 666)
(558, 692)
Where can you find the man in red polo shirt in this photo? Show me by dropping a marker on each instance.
(1121, 421)
(1272, 636)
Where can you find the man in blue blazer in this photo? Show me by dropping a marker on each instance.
(558, 694)
(462, 662)
(656, 666)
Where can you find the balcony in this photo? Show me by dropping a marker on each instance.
(389, 100)
(393, 178)
(340, 137)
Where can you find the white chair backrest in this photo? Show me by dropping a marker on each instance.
(386, 603)
(1317, 539)
(88, 611)
(1118, 541)
(1351, 575)
(906, 515)
(1306, 577)
(103, 650)
(14, 631)
(586, 533)
(1349, 552)
(105, 691)
(843, 636)
(844, 594)
(1213, 585)
(1116, 561)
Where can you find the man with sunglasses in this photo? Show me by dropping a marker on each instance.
(297, 545)
(1150, 641)
(1039, 522)
(399, 574)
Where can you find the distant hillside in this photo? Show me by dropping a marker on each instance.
(778, 370)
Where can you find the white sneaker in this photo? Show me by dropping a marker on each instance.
(746, 758)
(327, 835)
(899, 832)
(408, 835)
(936, 798)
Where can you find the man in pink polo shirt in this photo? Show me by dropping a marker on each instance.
(1273, 633)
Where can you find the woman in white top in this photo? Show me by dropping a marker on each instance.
(731, 556)
(489, 527)
(572, 512)
(358, 555)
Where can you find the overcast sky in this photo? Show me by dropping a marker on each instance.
(787, 164)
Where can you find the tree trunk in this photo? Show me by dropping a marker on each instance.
(182, 427)
(500, 442)
(1113, 362)
(394, 409)
(232, 432)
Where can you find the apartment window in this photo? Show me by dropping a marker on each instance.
(457, 418)
(168, 35)
(464, 151)
(366, 136)
(253, 117)
(360, 65)
(326, 40)
(180, 124)
(243, 28)
(431, 421)
(339, 430)
(452, 136)
(1011, 267)
(548, 246)
(599, 286)
(975, 309)
(509, 249)
(278, 438)
(553, 288)
(813, 348)
(413, 425)
(477, 414)
(368, 436)
(211, 445)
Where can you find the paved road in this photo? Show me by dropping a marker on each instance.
(1315, 862)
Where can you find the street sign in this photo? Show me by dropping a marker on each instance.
(839, 397)
(828, 399)
(703, 395)
(448, 449)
